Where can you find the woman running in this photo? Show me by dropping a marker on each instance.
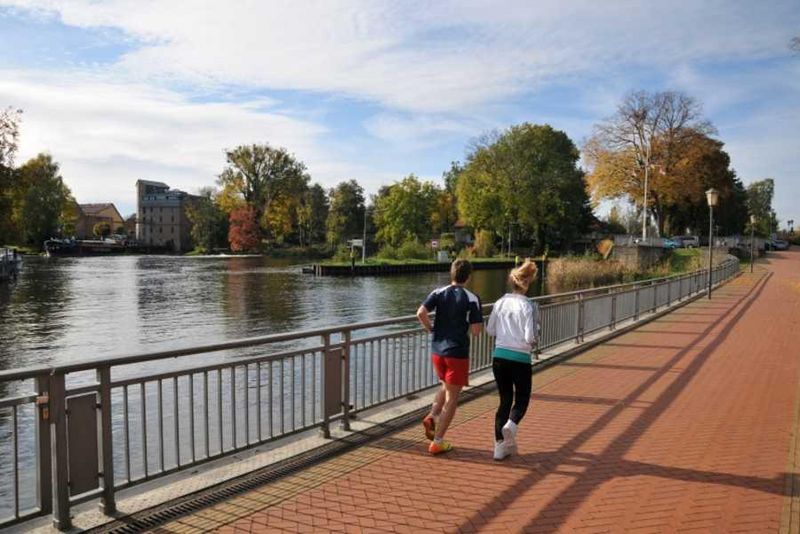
(515, 324)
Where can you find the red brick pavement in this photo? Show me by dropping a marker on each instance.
(686, 424)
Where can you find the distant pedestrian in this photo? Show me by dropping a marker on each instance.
(458, 314)
(514, 322)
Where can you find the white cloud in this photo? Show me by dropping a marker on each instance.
(108, 134)
(420, 56)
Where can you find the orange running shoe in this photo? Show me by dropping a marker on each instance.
(430, 426)
(440, 448)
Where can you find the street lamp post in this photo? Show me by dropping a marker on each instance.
(712, 196)
(644, 205)
(752, 239)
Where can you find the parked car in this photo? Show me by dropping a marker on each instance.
(779, 244)
(678, 240)
(689, 241)
(671, 243)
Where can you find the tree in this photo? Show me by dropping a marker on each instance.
(312, 215)
(9, 135)
(641, 144)
(244, 234)
(101, 229)
(525, 176)
(209, 221)
(614, 223)
(404, 211)
(759, 202)
(703, 164)
(42, 203)
(258, 174)
(346, 212)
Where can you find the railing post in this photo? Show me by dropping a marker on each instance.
(45, 467)
(581, 320)
(107, 504)
(58, 448)
(326, 422)
(655, 297)
(636, 303)
(613, 323)
(346, 381)
(669, 293)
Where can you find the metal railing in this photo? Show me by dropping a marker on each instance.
(78, 432)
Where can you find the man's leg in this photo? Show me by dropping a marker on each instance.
(451, 392)
(438, 403)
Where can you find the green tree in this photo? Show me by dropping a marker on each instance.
(404, 211)
(42, 201)
(259, 174)
(759, 202)
(525, 176)
(346, 213)
(209, 221)
(312, 215)
(9, 135)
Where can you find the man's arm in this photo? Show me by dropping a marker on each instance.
(475, 329)
(424, 318)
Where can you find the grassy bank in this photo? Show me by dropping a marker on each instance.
(583, 272)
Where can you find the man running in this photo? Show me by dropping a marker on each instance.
(458, 313)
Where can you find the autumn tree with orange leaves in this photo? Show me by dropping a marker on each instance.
(652, 140)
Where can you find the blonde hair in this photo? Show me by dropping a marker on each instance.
(522, 277)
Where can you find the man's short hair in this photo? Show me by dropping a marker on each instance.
(460, 271)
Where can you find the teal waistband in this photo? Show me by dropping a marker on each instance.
(513, 355)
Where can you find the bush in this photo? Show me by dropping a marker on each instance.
(342, 254)
(484, 244)
(410, 249)
(387, 252)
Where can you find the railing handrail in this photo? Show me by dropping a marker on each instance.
(90, 364)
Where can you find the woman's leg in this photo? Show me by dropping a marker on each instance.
(522, 390)
(503, 377)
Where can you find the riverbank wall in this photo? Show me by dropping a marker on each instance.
(381, 270)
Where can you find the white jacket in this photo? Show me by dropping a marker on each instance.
(514, 322)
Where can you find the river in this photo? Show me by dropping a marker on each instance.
(63, 310)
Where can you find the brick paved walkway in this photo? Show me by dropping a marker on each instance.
(688, 423)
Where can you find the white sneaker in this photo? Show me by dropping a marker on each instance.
(510, 434)
(501, 451)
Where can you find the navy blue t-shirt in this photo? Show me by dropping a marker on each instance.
(456, 308)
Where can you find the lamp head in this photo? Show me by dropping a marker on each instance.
(712, 196)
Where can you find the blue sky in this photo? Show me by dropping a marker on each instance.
(119, 90)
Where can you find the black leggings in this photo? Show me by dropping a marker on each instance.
(511, 377)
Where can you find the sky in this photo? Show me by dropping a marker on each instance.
(121, 90)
